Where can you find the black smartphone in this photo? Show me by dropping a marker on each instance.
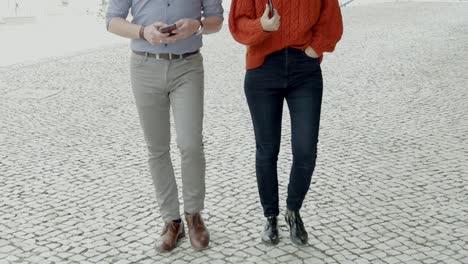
(270, 5)
(168, 29)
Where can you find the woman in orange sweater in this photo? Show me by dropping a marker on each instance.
(285, 45)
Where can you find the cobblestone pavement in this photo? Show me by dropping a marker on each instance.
(390, 186)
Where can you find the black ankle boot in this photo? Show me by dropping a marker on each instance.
(270, 232)
(299, 235)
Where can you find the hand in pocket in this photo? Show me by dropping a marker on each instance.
(311, 52)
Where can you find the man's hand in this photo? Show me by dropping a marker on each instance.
(153, 36)
(270, 24)
(185, 28)
(311, 52)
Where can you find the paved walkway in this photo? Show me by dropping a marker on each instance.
(391, 181)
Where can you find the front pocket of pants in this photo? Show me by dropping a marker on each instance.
(137, 60)
(311, 58)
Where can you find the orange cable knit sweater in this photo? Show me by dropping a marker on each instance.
(315, 23)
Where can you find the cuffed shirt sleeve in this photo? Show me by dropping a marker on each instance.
(212, 8)
(117, 8)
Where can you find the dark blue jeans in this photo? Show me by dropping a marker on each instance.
(292, 75)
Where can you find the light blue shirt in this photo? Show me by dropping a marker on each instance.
(147, 12)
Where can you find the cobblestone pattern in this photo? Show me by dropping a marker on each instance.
(391, 181)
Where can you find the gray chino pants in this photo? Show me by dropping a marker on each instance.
(159, 85)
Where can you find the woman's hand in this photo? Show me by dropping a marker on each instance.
(270, 24)
(311, 52)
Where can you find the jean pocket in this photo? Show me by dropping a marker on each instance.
(309, 57)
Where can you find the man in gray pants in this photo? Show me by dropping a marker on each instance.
(167, 71)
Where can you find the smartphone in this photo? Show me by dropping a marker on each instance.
(270, 5)
(168, 29)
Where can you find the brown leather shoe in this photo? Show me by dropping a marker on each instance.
(170, 235)
(199, 235)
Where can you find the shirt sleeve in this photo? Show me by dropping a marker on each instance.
(328, 30)
(244, 25)
(117, 8)
(212, 8)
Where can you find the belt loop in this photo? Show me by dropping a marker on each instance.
(170, 56)
(146, 56)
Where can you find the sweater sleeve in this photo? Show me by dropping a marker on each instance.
(329, 28)
(245, 27)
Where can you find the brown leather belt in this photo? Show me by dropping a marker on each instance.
(166, 56)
